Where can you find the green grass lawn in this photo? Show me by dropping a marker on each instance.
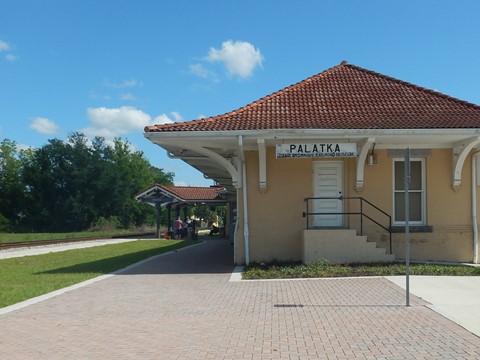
(30, 276)
(20, 237)
(323, 269)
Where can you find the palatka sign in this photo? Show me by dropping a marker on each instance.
(332, 150)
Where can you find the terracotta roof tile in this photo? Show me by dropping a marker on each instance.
(343, 97)
(193, 192)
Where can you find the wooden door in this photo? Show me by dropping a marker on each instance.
(328, 182)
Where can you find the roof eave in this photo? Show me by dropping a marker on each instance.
(307, 133)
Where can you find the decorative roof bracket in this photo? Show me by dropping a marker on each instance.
(460, 152)
(362, 148)
(219, 159)
(262, 166)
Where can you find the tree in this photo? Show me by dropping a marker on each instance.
(204, 213)
(12, 199)
(50, 188)
(221, 212)
(71, 185)
(130, 172)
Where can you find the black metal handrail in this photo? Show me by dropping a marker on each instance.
(361, 213)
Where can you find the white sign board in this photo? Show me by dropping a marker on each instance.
(320, 150)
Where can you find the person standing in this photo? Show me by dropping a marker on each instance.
(178, 226)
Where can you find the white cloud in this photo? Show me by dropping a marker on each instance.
(176, 115)
(161, 119)
(44, 126)
(199, 70)
(129, 83)
(97, 96)
(24, 147)
(180, 183)
(120, 90)
(114, 122)
(4, 46)
(128, 96)
(239, 57)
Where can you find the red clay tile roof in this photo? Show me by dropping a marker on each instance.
(193, 192)
(343, 97)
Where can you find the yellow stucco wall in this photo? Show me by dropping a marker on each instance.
(275, 216)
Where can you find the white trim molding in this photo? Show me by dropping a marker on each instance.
(362, 148)
(262, 166)
(460, 152)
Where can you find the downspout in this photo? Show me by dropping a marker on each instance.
(245, 201)
(234, 215)
(474, 207)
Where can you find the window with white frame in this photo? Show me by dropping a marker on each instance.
(416, 192)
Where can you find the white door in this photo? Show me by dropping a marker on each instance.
(327, 182)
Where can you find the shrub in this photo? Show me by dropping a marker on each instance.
(4, 224)
(321, 268)
(106, 224)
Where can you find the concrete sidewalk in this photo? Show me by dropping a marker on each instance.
(182, 306)
(455, 297)
(45, 249)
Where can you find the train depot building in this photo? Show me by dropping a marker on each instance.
(316, 170)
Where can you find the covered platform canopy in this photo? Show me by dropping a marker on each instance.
(178, 197)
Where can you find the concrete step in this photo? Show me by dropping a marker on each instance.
(341, 246)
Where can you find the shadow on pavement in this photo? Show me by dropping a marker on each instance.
(210, 255)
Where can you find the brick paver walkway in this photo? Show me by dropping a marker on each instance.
(181, 306)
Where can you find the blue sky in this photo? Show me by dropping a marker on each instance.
(110, 67)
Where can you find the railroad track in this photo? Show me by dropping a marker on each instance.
(33, 243)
